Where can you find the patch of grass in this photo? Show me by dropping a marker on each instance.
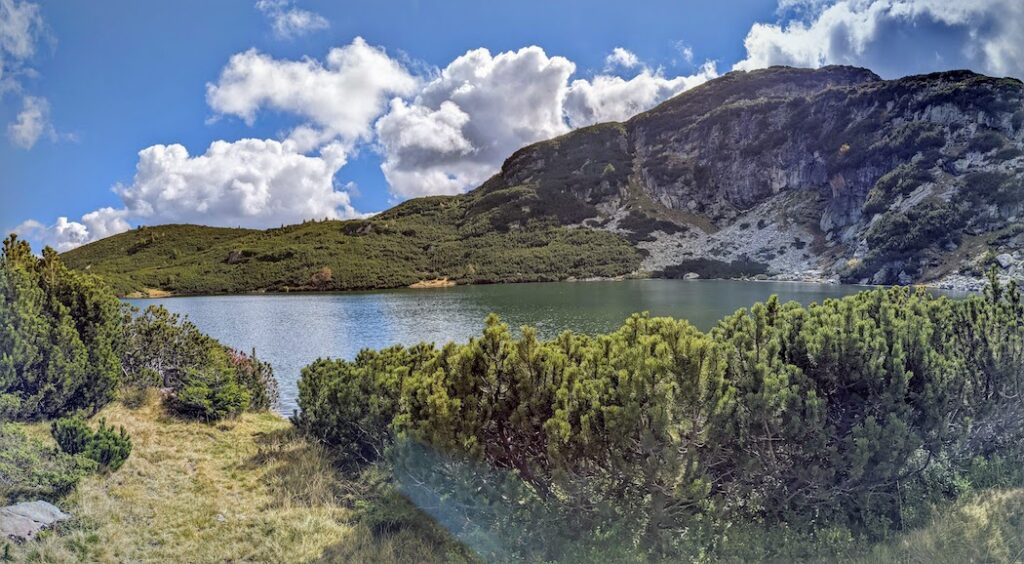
(245, 490)
(986, 527)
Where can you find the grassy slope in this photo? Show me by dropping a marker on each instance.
(248, 490)
(245, 490)
(420, 240)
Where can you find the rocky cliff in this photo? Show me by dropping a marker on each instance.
(795, 174)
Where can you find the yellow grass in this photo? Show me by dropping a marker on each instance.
(435, 283)
(987, 527)
(249, 490)
(243, 491)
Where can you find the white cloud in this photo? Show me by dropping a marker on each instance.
(341, 96)
(470, 117)
(287, 21)
(482, 107)
(621, 58)
(893, 37)
(247, 183)
(32, 123)
(685, 51)
(612, 98)
(65, 235)
(21, 27)
(21, 23)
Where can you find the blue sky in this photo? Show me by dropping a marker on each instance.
(105, 80)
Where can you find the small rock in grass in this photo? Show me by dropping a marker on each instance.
(22, 521)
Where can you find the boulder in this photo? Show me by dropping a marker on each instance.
(1005, 260)
(22, 521)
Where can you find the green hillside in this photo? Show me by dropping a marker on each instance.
(466, 239)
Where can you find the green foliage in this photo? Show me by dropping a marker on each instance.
(60, 338)
(506, 234)
(848, 418)
(30, 470)
(108, 448)
(350, 405)
(209, 394)
(72, 434)
(205, 379)
(711, 268)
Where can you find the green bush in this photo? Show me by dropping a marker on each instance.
(108, 448)
(205, 379)
(852, 416)
(30, 470)
(72, 434)
(60, 338)
(208, 395)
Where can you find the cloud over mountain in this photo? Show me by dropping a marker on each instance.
(893, 37)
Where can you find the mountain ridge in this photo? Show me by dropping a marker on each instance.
(831, 174)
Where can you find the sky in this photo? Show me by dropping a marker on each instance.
(115, 114)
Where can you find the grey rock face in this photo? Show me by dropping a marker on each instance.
(22, 521)
(831, 170)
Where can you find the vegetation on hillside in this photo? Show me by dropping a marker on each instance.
(508, 235)
(783, 429)
(68, 347)
(244, 490)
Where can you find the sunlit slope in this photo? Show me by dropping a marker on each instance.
(443, 237)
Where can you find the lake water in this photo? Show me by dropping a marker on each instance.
(292, 330)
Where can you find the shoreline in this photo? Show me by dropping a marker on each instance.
(960, 284)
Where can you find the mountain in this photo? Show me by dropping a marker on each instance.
(827, 174)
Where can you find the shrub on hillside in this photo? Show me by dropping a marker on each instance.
(60, 338)
(205, 379)
(208, 395)
(107, 447)
(851, 415)
(30, 470)
(72, 434)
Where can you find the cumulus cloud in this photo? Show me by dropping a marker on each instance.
(613, 98)
(288, 21)
(65, 235)
(893, 37)
(621, 58)
(248, 183)
(340, 96)
(482, 107)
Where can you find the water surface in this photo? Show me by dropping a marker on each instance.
(292, 330)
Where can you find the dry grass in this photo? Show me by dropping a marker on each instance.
(249, 490)
(986, 527)
(243, 491)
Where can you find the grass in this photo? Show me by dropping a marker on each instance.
(250, 490)
(985, 527)
(246, 490)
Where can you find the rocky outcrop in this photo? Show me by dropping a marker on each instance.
(23, 521)
(828, 174)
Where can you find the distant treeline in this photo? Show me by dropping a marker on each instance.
(843, 420)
